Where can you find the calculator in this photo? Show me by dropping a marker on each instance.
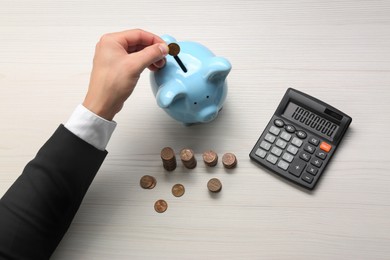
(300, 138)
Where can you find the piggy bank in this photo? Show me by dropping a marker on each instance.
(195, 90)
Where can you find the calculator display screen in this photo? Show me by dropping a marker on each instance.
(307, 118)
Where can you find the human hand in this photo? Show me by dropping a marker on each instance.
(118, 62)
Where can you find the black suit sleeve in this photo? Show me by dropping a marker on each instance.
(38, 208)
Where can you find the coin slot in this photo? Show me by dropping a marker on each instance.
(174, 50)
(181, 65)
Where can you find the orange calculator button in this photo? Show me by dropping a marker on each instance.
(325, 147)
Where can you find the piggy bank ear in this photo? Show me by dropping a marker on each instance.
(169, 93)
(168, 39)
(218, 69)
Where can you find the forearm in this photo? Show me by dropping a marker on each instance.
(38, 208)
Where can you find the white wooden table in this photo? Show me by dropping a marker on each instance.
(338, 51)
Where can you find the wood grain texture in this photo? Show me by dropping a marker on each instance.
(338, 51)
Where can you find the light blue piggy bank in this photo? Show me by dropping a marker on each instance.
(196, 92)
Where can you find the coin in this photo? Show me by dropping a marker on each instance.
(153, 184)
(210, 158)
(178, 190)
(160, 206)
(167, 153)
(148, 182)
(188, 158)
(229, 160)
(174, 49)
(186, 154)
(214, 185)
(168, 158)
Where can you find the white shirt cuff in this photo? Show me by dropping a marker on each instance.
(90, 127)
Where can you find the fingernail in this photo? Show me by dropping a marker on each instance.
(164, 49)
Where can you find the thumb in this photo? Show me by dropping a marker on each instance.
(149, 55)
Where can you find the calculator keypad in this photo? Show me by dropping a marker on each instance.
(295, 153)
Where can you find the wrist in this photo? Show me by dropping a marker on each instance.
(90, 127)
(100, 109)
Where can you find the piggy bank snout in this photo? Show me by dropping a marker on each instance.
(208, 114)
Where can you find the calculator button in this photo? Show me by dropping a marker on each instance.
(312, 170)
(296, 167)
(301, 134)
(279, 123)
(276, 151)
(316, 162)
(285, 136)
(280, 143)
(321, 154)
(272, 159)
(270, 138)
(292, 149)
(265, 145)
(283, 165)
(287, 157)
(305, 156)
(274, 130)
(314, 140)
(261, 153)
(297, 142)
(290, 128)
(309, 148)
(307, 178)
(325, 147)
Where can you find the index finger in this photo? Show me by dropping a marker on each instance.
(135, 37)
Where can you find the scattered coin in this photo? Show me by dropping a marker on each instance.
(178, 190)
(210, 158)
(160, 206)
(229, 160)
(174, 49)
(188, 158)
(148, 182)
(214, 185)
(168, 158)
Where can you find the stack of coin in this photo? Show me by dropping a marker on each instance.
(178, 190)
(210, 158)
(168, 158)
(148, 182)
(214, 185)
(160, 206)
(229, 160)
(188, 158)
